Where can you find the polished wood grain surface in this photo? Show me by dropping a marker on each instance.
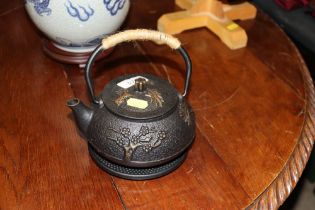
(254, 114)
(9, 6)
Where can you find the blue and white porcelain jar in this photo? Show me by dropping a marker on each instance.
(77, 25)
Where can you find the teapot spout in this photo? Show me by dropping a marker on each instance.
(82, 114)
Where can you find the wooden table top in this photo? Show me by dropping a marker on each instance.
(254, 115)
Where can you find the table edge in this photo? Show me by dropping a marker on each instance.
(282, 186)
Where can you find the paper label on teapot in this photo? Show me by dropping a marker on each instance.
(127, 83)
(137, 103)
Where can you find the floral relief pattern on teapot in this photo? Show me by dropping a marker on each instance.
(146, 138)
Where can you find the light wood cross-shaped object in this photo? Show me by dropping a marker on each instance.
(214, 15)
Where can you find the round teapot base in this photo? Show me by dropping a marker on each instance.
(136, 173)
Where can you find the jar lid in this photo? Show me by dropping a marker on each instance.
(140, 96)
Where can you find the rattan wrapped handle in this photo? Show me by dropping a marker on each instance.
(133, 35)
(140, 34)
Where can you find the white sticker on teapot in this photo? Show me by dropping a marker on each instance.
(137, 103)
(127, 83)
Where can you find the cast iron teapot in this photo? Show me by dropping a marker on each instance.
(139, 127)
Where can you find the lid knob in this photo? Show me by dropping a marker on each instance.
(140, 84)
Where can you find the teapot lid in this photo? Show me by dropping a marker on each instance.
(140, 96)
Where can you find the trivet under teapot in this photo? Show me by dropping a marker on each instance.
(139, 127)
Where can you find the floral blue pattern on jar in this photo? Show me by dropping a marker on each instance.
(113, 6)
(91, 42)
(41, 6)
(82, 13)
(77, 25)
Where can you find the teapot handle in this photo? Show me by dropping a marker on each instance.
(132, 35)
